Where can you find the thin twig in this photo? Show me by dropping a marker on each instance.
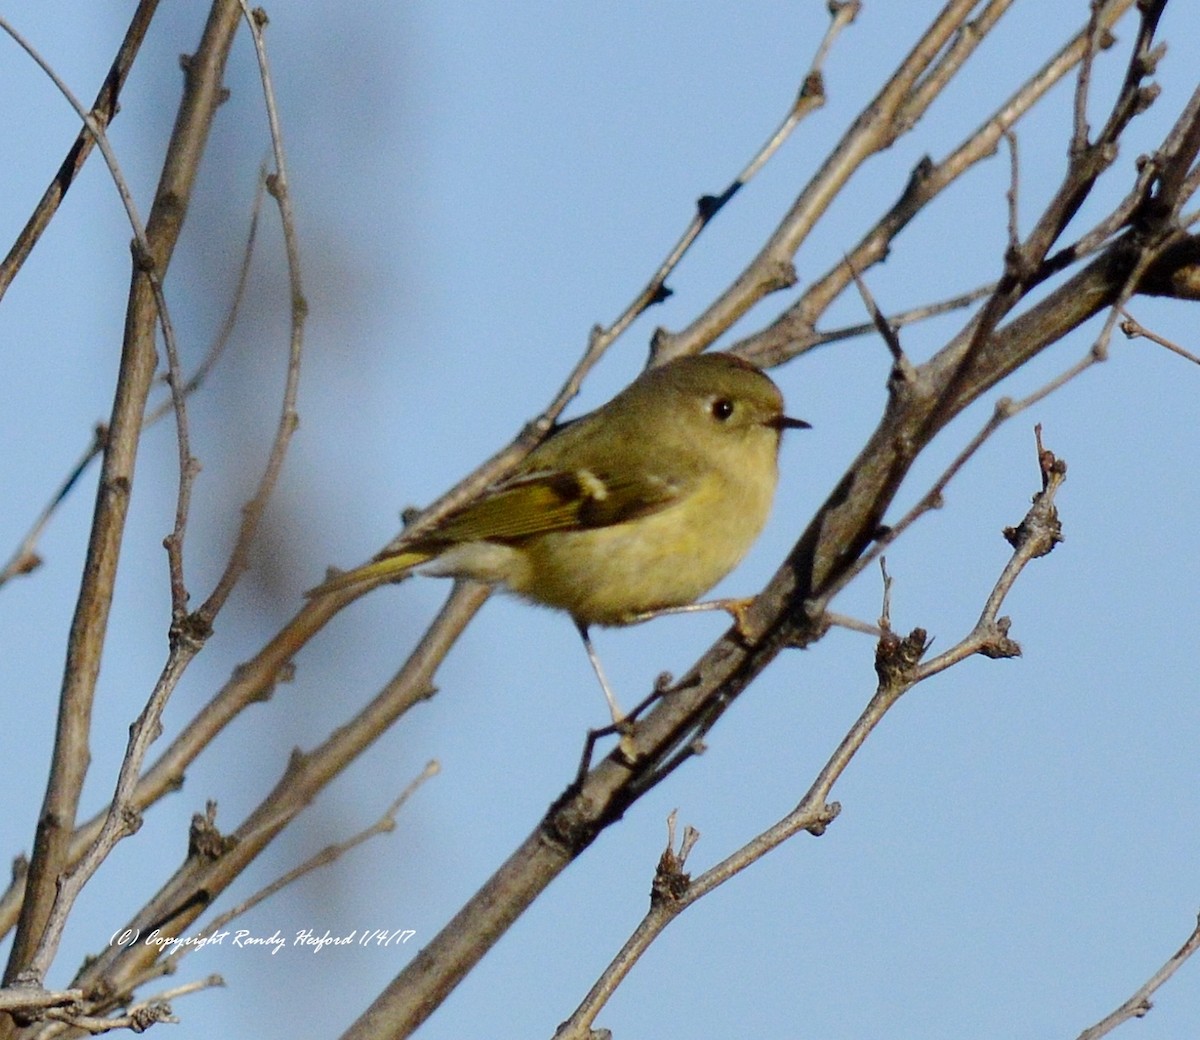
(139, 1016)
(203, 878)
(885, 613)
(1012, 195)
(892, 112)
(1035, 536)
(1139, 1004)
(794, 331)
(1079, 135)
(1134, 329)
(330, 854)
(881, 325)
(104, 109)
(37, 936)
(898, 319)
(138, 1021)
(809, 98)
(220, 341)
(899, 669)
(25, 557)
(277, 185)
(852, 624)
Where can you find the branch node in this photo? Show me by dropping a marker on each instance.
(1145, 97)
(917, 180)
(1041, 530)
(671, 882)
(708, 206)
(813, 87)
(828, 814)
(204, 840)
(780, 275)
(995, 642)
(1147, 64)
(895, 658)
(190, 631)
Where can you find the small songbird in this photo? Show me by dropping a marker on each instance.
(637, 508)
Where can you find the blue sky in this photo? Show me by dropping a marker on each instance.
(476, 186)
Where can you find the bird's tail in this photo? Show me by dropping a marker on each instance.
(378, 571)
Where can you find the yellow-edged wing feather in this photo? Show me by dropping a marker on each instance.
(527, 505)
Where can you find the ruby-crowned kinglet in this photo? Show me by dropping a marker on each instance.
(638, 507)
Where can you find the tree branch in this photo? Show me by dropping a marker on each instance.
(138, 362)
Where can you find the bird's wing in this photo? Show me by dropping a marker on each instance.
(556, 500)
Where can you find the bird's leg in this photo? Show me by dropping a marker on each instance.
(735, 608)
(620, 720)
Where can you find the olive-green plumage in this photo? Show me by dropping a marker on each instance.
(643, 504)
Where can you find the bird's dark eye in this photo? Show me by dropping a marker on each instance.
(722, 408)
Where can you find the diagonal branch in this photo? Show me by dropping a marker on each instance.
(893, 112)
(794, 331)
(102, 112)
(790, 612)
(215, 864)
(1139, 1004)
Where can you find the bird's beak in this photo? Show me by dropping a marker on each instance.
(786, 422)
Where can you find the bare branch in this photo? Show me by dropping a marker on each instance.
(142, 257)
(810, 97)
(219, 861)
(1133, 329)
(1014, 184)
(1139, 1004)
(899, 669)
(25, 558)
(138, 1019)
(277, 185)
(893, 112)
(794, 331)
(57, 817)
(24, 999)
(902, 367)
(330, 854)
(102, 112)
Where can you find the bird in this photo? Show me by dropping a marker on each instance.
(633, 510)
